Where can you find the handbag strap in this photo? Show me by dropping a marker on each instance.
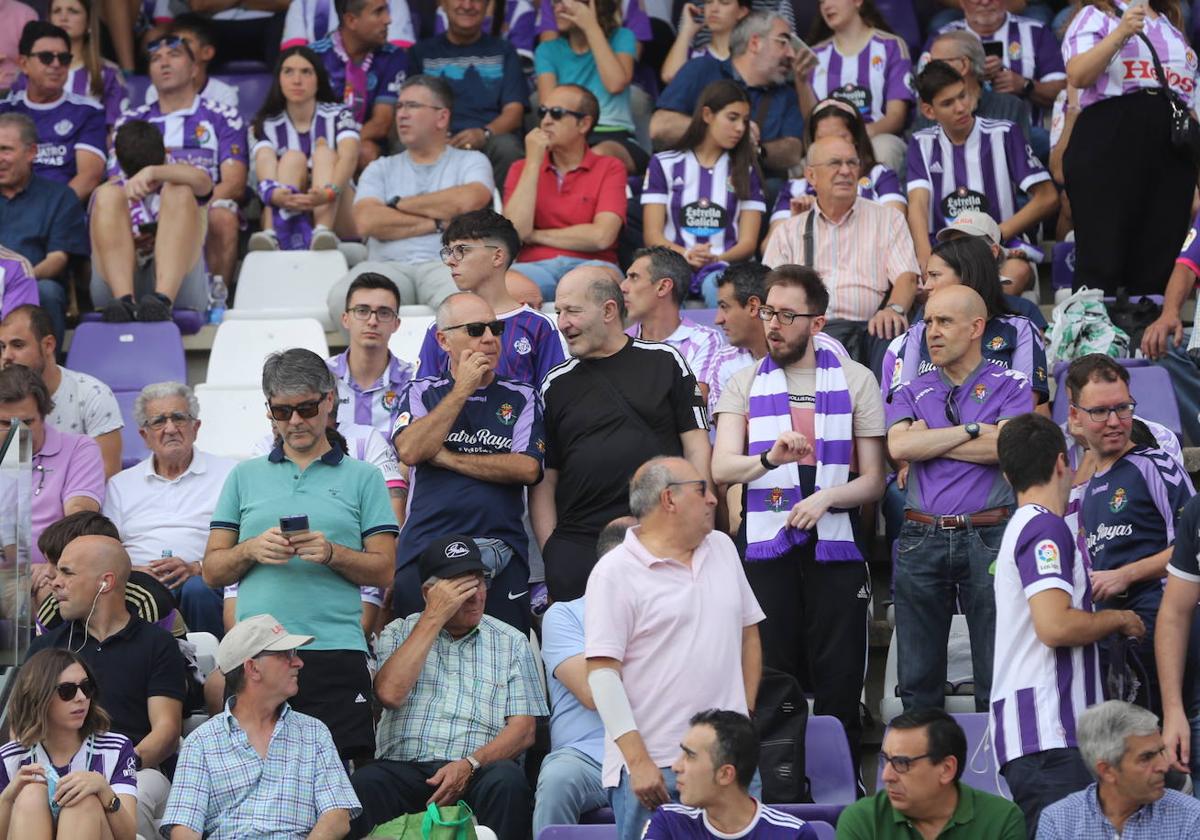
(810, 237)
(1158, 69)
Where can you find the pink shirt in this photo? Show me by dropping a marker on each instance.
(677, 631)
(66, 466)
(13, 17)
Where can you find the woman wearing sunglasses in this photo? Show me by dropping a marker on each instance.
(305, 147)
(64, 775)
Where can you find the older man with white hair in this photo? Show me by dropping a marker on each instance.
(163, 506)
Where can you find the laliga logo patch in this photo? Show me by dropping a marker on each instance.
(979, 394)
(403, 419)
(456, 550)
(1191, 237)
(1014, 50)
(1049, 561)
(1119, 500)
(522, 346)
(63, 127)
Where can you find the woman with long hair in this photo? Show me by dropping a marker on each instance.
(704, 198)
(64, 774)
(717, 18)
(305, 147)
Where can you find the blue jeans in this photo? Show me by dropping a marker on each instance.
(632, 817)
(52, 295)
(1186, 379)
(547, 273)
(201, 605)
(1041, 779)
(568, 786)
(935, 567)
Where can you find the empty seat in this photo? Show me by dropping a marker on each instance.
(235, 420)
(127, 357)
(288, 284)
(827, 761)
(240, 346)
(981, 771)
(405, 343)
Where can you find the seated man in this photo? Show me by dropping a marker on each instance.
(964, 53)
(196, 131)
(71, 130)
(1123, 749)
(713, 773)
(163, 506)
(147, 231)
(404, 201)
(283, 761)
(308, 21)
(196, 31)
(566, 202)
(83, 405)
(456, 714)
(924, 753)
(145, 700)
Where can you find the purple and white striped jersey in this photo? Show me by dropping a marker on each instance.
(983, 174)
(697, 344)
(530, 346)
(311, 20)
(701, 205)
(114, 96)
(376, 406)
(68, 125)
(1132, 69)
(1030, 48)
(109, 754)
(331, 120)
(206, 135)
(679, 822)
(727, 361)
(880, 73)
(880, 185)
(1038, 692)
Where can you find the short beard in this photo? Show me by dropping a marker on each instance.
(789, 356)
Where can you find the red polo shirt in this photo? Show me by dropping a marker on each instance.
(597, 185)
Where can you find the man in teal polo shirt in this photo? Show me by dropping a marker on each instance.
(309, 579)
(924, 753)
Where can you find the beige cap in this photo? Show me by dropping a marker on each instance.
(972, 223)
(252, 636)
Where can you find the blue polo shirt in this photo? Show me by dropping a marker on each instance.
(344, 499)
(783, 117)
(46, 216)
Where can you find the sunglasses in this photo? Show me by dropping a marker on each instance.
(951, 410)
(48, 57)
(307, 409)
(68, 690)
(557, 113)
(475, 328)
(168, 41)
(160, 422)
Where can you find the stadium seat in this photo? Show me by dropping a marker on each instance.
(578, 832)
(703, 317)
(189, 321)
(239, 347)
(288, 284)
(812, 811)
(827, 761)
(253, 82)
(405, 343)
(235, 420)
(206, 650)
(1062, 261)
(133, 448)
(960, 691)
(823, 829)
(1149, 385)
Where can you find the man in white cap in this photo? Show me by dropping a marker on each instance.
(1016, 269)
(259, 763)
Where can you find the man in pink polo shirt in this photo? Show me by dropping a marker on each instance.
(665, 636)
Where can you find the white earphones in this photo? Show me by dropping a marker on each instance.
(103, 585)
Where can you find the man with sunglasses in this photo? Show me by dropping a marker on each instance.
(474, 441)
(71, 129)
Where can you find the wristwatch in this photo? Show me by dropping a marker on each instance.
(898, 309)
(113, 805)
(767, 465)
(1027, 88)
(439, 225)
(474, 762)
(972, 430)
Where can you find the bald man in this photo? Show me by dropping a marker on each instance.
(945, 423)
(141, 672)
(863, 251)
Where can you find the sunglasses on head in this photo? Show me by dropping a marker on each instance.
(68, 690)
(557, 113)
(307, 409)
(475, 328)
(168, 41)
(48, 57)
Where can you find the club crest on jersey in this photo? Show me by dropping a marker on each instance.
(1014, 50)
(390, 400)
(1049, 560)
(522, 346)
(777, 500)
(864, 182)
(997, 343)
(505, 414)
(203, 133)
(876, 61)
(1190, 58)
(979, 393)
(63, 127)
(1119, 500)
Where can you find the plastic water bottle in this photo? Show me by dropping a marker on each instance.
(219, 295)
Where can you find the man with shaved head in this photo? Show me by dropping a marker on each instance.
(946, 423)
(142, 675)
(862, 250)
(474, 441)
(616, 403)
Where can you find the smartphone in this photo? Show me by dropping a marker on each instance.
(295, 524)
(993, 48)
(798, 44)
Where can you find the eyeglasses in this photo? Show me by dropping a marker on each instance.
(952, 415)
(1099, 414)
(307, 409)
(160, 422)
(289, 655)
(901, 763)
(383, 314)
(786, 317)
(703, 483)
(409, 105)
(167, 41)
(838, 163)
(458, 252)
(47, 57)
(557, 112)
(475, 328)
(67, 691)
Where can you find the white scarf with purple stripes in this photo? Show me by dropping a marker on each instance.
(770, 498)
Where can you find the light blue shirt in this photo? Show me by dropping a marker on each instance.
(571, 723)
(572, 68)
(1078, 817)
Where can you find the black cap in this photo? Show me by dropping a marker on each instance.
(449, 557)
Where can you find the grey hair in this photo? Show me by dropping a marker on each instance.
(163, 391)
(755, 23)
(296, 371)
(602, 288)
(647, 485)
(24, 126)
(442, 93)
(1102, 731)
(969, 47)
(443, 310)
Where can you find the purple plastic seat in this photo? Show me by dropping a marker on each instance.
(902, 17)
(823, 829)
(252, 87)
(812, 811)
(980, 771)
(578, 832)
(137, 87)
(703, 317)
(827, 761)
(187, 321)
(1062, 271)
(133, 448)
(1149, 385)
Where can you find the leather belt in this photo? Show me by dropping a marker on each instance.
(994, 516)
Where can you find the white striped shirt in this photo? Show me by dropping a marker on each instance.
(700, 201)
(880, 184)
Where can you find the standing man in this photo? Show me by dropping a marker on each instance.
(1047, 665)
(671, 629)
(615, 404)
(346, 540)
(802, 430)
(474, 442)
(945, 423)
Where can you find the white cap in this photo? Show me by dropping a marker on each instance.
(972, 223)
(252, 636)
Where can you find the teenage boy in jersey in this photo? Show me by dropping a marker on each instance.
(1129, 507)
(474, 442)
(1047, 666)
(945, 423)
(968, 163)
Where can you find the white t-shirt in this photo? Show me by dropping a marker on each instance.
(83, 405)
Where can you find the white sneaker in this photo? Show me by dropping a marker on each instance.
(263, 240)
(323, 239)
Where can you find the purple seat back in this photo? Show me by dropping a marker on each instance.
(252, 90)
(703, 317)
(827, 761)
(823, 829)
(811, 811)
(578, 832)
(980, 771)
(137, 87)
(187, 321)
(1062, 272)
(902, 17)
(127, 357)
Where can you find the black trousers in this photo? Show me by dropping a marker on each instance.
(816, 629)
(1131, 194)
(498, 793)
(569, 560)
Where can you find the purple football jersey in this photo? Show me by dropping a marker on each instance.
(205, 135)
(69, 125)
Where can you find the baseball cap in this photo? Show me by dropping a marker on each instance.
(252, 636)
(972, 223)
(449, 557)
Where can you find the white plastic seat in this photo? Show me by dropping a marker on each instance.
(234, 420)
(288, 284)
(405, 343)
(240, 346)
(958, 673)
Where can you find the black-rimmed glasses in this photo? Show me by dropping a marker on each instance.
(901, 763)
(160, 422)
(383, 314)
(786, 316)
(1099, 414)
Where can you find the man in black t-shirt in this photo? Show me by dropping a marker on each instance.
(615, 404)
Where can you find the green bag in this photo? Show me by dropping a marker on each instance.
(450, 822)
